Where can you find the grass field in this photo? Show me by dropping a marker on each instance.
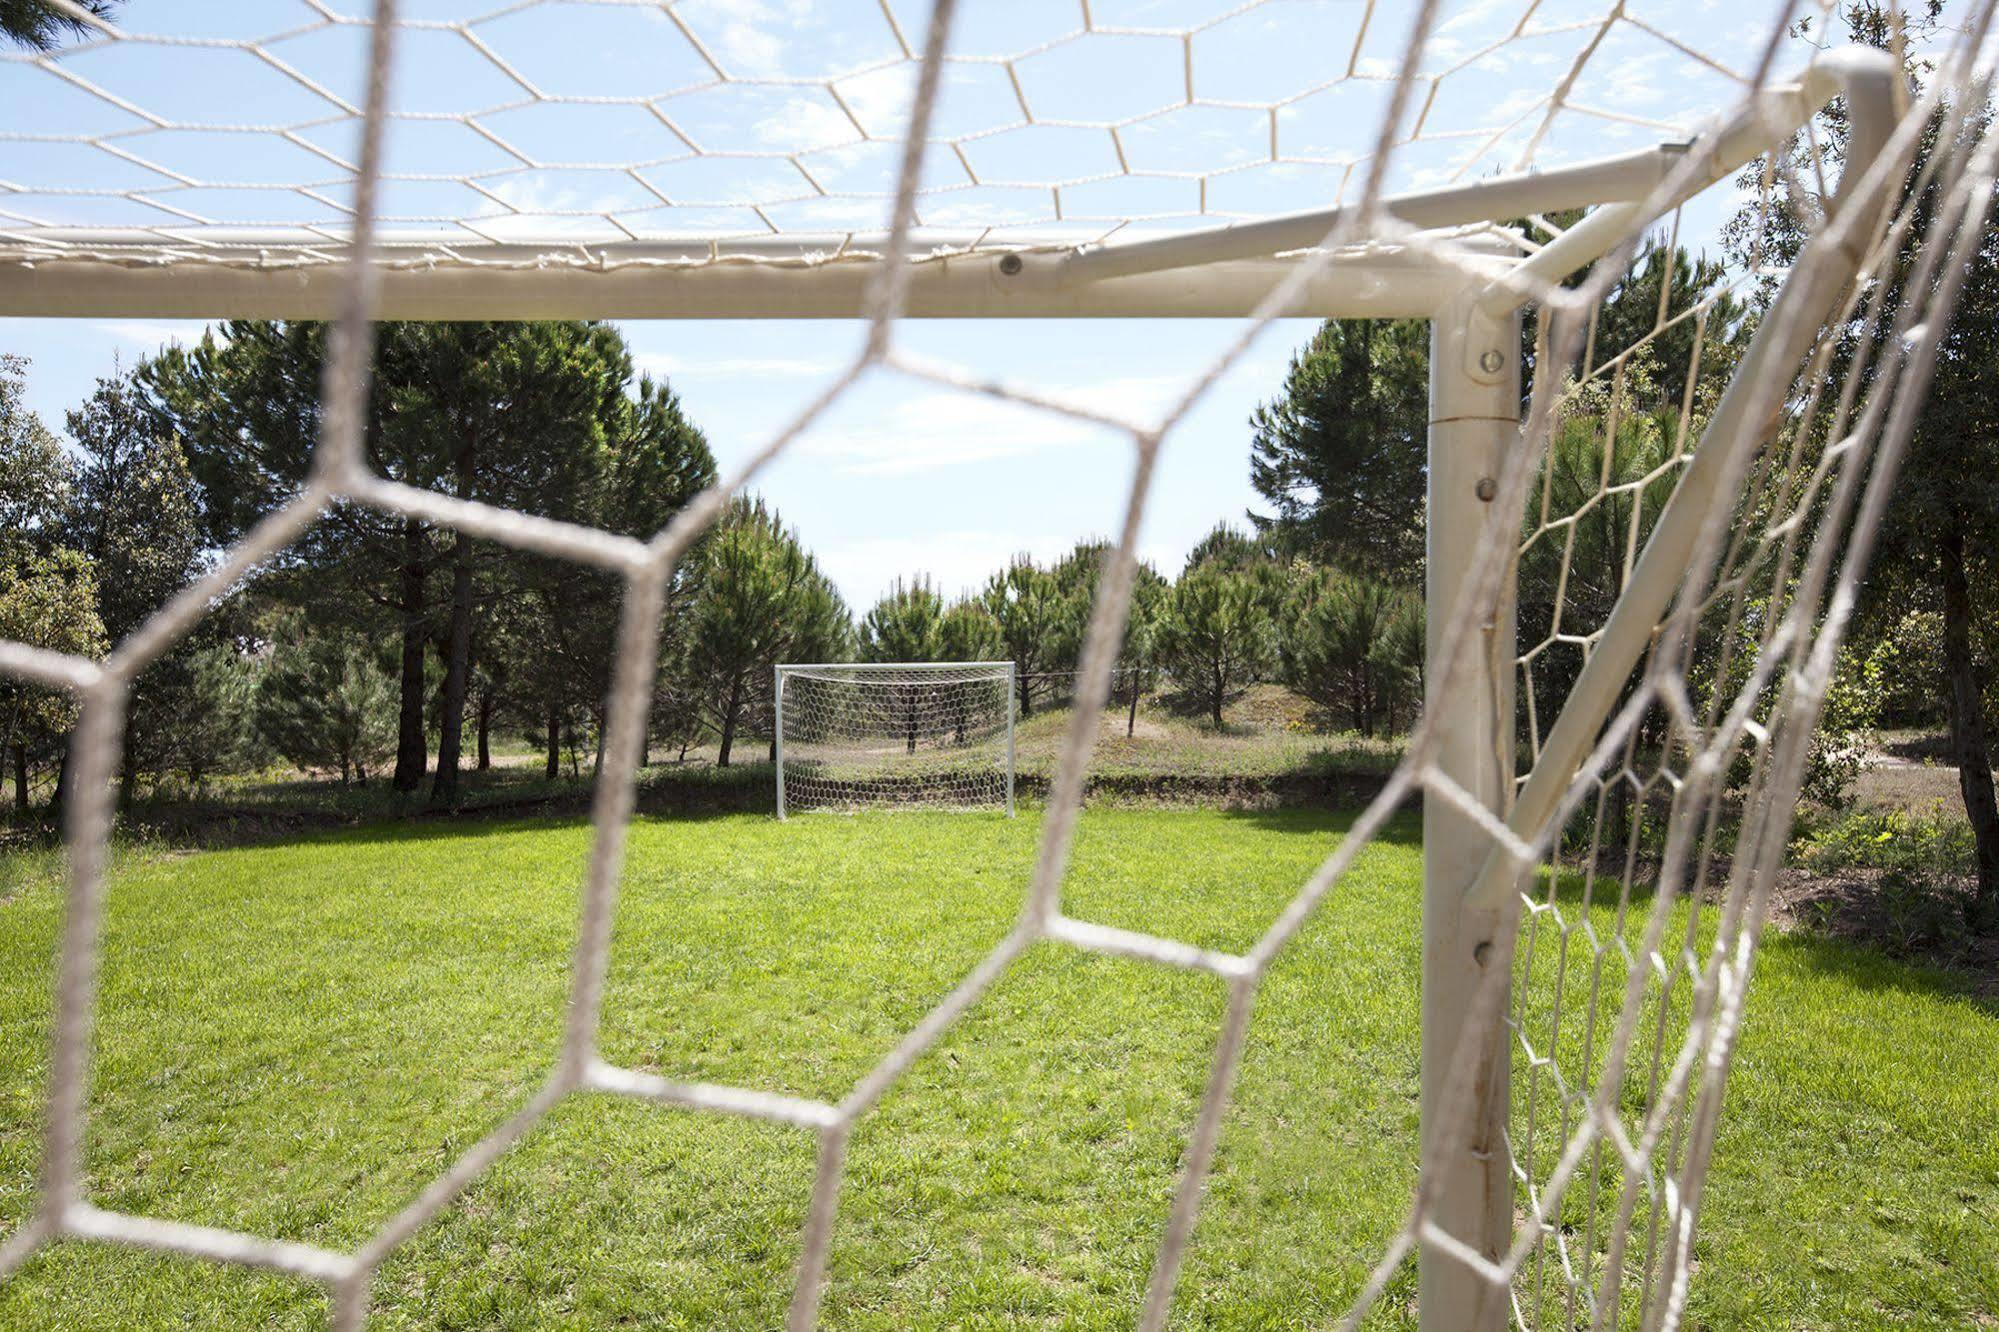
(1267, 754)
(295, 1037)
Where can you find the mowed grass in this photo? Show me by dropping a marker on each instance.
(293, 1039)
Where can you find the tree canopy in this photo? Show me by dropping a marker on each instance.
(40, 26)
(546, 417)
(1339, 455)
(762, 601)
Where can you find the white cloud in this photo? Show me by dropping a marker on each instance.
(942, 430)
(957, 561)
(1470, 16)
(151, 333)
(670, 365)
(1139, 399)
(745, 33)
(881, 98)
(803, 124)
(924, 431)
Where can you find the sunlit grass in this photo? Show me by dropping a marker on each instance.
(294, 1038)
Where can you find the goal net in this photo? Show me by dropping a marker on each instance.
(1653, 489)
(854, 736)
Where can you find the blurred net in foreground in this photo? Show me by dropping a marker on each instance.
(1654, 566)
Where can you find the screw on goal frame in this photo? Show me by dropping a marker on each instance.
(894, 735)
(1486, 1221)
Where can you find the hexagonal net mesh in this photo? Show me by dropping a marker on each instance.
(868, 735)
(1667, 533)
(558, 131)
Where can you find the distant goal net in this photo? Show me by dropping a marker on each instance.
(935, 735)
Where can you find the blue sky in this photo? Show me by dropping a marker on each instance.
(902, 477)
(797, 133)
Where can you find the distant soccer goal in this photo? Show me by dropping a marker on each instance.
(863, 735)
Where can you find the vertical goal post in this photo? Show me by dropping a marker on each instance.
(1579, 766)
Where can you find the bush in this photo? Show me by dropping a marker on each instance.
(1915, 916)
(326, 705)
(1354, 647)
(1929, 845)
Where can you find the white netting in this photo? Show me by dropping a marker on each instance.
(856, 736)
(578, 133)
(1682, 593)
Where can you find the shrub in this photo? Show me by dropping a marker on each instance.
(1924, 845)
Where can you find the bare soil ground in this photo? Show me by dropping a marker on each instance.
(1906, 770)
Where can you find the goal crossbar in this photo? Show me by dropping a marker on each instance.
(1217, 272)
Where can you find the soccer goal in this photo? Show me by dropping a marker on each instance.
(895, 734)
(1650, 502)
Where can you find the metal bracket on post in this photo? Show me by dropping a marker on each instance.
(1490, 355)
(1474, 421)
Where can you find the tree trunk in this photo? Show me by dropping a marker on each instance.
(20, 777)
(411, 745)
(1218, 698)
(553, 767)
(65, 778)
(485, 730)
(597, 754)
(1026, 691)
(1131, 718)
(128, 772)
(729, 722)
(1967, 731)
(458, 664)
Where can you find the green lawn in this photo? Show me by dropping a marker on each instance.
(294, 1038)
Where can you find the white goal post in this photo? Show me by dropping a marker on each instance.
(1635, 596)
(858, 735)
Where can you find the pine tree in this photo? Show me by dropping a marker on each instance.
(322, 702)
(967, 632)
(1027, 606)
(1217, 634)
(1080, 572)
(1353, 645)
(905, 625)
(1339, 456)
(762, 601)
(40, 26)
(536, 416)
